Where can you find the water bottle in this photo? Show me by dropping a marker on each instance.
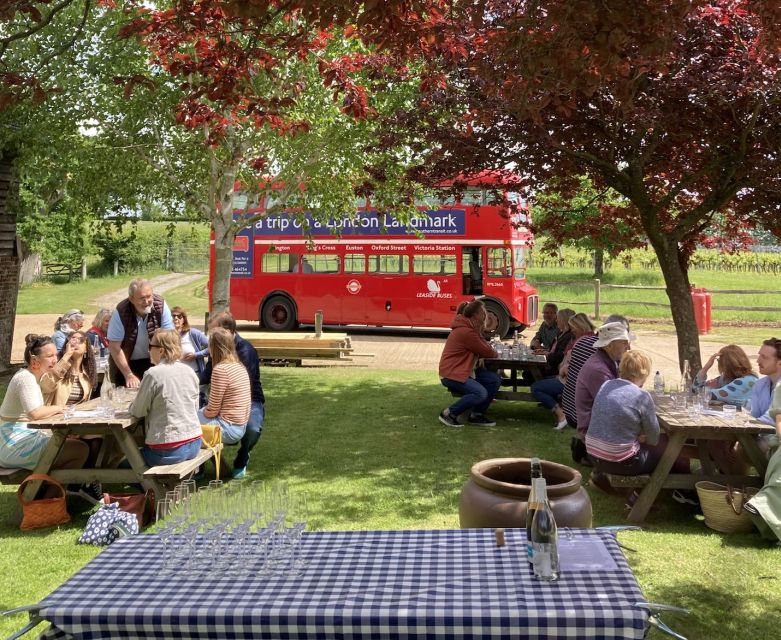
(545, 537)
(658, 384)
(515, 339)
(532, 507)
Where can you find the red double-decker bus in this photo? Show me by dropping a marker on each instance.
(370, 269)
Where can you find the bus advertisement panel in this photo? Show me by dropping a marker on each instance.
(371, 269)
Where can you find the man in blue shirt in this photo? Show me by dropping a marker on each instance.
(769, 363)
(249, 358)
(132, 325)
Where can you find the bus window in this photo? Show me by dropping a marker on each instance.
(519, 260)
(278, 262)
(389, 263)
(354, 263)
(440, 264)
(499, 265)
(321, 263)
(474, 196)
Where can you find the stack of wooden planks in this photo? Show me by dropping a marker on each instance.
(294, 347)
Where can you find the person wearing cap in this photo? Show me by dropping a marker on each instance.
(612, 343)
(70, 321)
(130, 330)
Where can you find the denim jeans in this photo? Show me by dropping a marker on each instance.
(251, 436)
(477, 393)
(547, 391)
(155, 457)
(231, 433)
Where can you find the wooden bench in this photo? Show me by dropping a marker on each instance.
(170, 475)
(13, 476)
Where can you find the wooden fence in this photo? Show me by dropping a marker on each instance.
(598, 302)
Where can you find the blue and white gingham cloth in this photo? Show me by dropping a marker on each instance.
(442, 584)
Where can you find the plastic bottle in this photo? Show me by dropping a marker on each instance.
(544, 536)
(531, 507)
(658, 384)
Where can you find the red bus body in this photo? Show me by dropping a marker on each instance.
(378, 272)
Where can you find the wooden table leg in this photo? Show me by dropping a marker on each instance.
(48, 456)
(136, 460)
(658, 477)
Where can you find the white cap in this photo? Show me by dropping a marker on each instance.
(611, 332)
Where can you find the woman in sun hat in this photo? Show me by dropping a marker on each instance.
(70, 321)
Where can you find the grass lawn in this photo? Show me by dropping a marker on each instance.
(367, 448)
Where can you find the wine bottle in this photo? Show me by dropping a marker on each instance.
(686, 378)
(531, 507)
(544, 537)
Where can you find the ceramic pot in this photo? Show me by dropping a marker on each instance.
(497, 493)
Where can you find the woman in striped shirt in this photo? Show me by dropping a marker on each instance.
(229, 393)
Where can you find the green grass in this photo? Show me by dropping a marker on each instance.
(193, 297)
(367, 448)
(629, 302)
(49, 297)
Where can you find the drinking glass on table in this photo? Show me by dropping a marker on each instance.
(68, 411)
(730, 411)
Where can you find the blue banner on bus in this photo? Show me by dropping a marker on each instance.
(443, 222)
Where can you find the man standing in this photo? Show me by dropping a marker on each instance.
(769, 363)
(249, 358)
(132, 325)
(548, 331)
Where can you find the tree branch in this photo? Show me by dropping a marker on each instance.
(45, 20)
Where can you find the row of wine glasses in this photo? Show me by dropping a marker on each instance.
(231, 529)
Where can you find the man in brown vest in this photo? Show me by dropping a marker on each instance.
(130, 329)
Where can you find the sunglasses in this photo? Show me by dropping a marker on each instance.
(177, 316)
(154, 346)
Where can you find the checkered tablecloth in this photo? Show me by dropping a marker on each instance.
(359, 584)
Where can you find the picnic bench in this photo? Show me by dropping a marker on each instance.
(295, 347)
(681, 427)
(170, 475)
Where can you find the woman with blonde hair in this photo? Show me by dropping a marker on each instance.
(736, 376)
(97, 332)
(229, 394)
(168, 399)
(623, 435)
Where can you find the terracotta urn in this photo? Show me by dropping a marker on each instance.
(497, 493)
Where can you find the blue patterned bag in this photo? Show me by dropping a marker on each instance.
(107, 524)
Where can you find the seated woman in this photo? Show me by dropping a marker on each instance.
(195, 344)
(765, 506)
(477, 386)
(97, 333)
(168, 399)
(736, 377)
(623, 435)
(72, 379)
(734, 385)
(72, 320)
(229, 393)
(20, 446)
(548, 390)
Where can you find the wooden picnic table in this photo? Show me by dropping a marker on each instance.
(118, 429)
(680, 426)
(533, 363)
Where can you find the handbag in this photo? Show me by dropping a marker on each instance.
(140, 505)
(211, 438)
(43, 512)
(107, 524)
(723, 507)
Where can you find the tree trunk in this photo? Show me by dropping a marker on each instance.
(9, 261)
(599, 263)
(224, 235)
(676, 277)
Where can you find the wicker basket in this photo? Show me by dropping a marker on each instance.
(723, 507)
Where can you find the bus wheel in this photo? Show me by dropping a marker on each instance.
(279, 314)
(502, 320)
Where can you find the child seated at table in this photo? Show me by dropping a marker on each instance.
(623, 436)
